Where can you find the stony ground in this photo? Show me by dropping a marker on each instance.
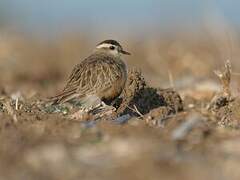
(182, 132)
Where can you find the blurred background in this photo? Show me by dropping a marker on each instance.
(174, 42)
(111, 18)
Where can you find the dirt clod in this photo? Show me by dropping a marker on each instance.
(138, 94)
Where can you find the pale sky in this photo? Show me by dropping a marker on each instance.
(113, 15)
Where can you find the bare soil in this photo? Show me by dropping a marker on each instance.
(189, 131)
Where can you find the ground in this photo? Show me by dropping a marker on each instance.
(175, 119)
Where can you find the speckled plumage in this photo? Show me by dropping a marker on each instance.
(101, 75)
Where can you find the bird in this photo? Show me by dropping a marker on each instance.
(99, 78)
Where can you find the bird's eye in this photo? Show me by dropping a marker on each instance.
(112, 47)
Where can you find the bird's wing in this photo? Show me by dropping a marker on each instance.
(104, 73)
(90, 76)
(71, 87)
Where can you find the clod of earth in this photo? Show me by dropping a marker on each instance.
(138, 97)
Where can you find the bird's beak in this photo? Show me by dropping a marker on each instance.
(125, 52)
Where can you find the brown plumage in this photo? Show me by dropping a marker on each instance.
(101, 76)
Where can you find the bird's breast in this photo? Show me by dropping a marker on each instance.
(119, 75)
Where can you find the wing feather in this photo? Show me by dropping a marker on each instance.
(95, 73)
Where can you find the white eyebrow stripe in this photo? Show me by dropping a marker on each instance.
(105, 45)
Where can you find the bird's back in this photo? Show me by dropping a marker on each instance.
(100, 75)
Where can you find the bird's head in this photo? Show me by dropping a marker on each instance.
(112, 47)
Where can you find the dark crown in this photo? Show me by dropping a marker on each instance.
(110, 41)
